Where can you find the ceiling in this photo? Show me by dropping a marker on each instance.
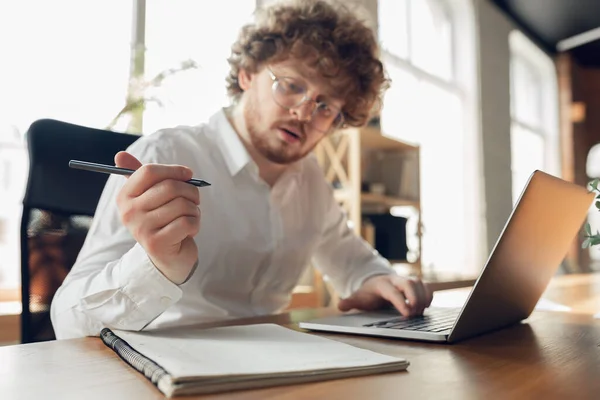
(550, 21)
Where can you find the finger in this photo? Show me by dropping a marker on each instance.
(165, 192)
(389, 292)
(419, 306)
(407, 287)
(124, 159)
(428, 294)
(177, 230)
(149, 175)
(164, 215)
(347, 304)
(360, 301)
(424, 295)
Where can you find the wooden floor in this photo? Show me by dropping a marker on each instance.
(10, 329)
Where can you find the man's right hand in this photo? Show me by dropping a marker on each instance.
(161, 212)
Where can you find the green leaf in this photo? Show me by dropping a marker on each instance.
(586, 243)
(588, 229)
(594, 184)
(594, 240)
(598, 205)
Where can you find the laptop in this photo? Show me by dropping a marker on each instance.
(542, 226)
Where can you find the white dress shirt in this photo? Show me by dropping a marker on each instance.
(254, 242)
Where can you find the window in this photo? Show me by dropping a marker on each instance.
(74, 65)
(62, 61)
(534, 112)
(428, 50)
(418, 31)
(181, 30)
(13, 174)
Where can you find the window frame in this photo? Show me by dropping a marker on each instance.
(541, 65)
(408, 63)
(464, 84)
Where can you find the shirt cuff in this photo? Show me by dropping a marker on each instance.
(144, 284)
(370, 270)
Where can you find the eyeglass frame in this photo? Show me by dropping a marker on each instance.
(276, 79)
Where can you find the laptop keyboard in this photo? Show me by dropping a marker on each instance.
(435, 320)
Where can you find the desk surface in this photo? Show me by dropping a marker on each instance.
(551, 355)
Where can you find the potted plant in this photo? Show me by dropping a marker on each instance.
(592, 239)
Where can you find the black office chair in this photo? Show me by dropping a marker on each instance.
(58, 206)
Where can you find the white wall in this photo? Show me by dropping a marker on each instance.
(493, 28)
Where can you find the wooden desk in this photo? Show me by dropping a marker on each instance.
(579, 292)
(552, 355)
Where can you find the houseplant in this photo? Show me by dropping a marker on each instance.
(592, 239)
(140, 95)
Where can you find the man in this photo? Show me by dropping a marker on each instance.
(162, 252)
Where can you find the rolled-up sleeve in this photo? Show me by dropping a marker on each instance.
(344, 257)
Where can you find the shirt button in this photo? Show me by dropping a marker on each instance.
(165, 301)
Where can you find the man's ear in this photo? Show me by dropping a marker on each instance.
(244, 79)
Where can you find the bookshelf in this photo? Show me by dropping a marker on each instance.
(374, 173)
(387, 201)
(347, 158)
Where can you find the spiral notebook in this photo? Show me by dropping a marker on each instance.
(200, 361)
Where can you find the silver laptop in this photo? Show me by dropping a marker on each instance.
(534, 241)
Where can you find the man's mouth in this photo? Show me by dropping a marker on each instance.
(291, 134)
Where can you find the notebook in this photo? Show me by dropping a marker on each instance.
(199, 361)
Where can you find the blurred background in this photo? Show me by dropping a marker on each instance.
(489, 90)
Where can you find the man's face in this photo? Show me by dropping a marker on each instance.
(279, 129)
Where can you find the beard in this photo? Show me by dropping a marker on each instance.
(267, 143)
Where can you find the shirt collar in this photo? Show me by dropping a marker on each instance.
(234, 152)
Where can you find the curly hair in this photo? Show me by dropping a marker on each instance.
(326, 36)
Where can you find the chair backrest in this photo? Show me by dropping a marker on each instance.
(58, 205)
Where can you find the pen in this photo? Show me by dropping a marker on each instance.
(109, 169)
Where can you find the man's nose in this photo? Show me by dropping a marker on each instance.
(304, 111)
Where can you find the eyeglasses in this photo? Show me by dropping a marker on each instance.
(289, 94)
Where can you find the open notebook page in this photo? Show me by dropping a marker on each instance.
(248, 350)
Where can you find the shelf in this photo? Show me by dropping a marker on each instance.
(376, 199)
(373, 139)
(342, 194)
(387, 201)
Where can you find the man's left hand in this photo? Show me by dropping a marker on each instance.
(410, 296)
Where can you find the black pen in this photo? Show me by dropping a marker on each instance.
(109, 169)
